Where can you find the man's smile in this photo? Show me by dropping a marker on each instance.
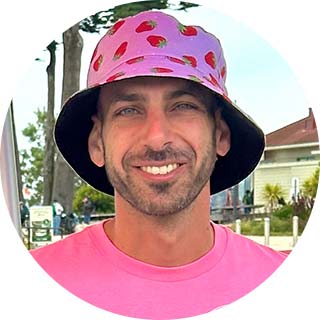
(160, 170)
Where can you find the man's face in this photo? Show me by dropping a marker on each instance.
(156, 139)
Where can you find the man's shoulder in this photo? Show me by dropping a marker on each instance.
(74, 245)
(241, 246)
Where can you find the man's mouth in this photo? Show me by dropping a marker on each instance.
(160, 170)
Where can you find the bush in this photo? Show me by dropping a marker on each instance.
(104, 203)
(278, 227)
(251, 227)
(310, 186)
(284, 213)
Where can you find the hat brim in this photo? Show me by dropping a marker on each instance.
(74, 125)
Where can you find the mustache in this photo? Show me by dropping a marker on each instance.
(166, 154)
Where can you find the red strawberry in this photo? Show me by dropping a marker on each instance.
(211, 59)
(115, 27)
(195, 78)
(157, 41)
(190, 60)
(97, 63)
(161, 70)
(146, 26)
(223, 71)
(135, 60)
(115, 76)
(213, 80)
(187, 30)
(120, 51)
(176, 60)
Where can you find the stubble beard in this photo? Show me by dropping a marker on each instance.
(161, 199)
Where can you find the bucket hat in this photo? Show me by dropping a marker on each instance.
(156, 44)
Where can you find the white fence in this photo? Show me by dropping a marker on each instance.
(295, 224)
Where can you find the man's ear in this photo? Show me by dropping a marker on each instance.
(95, 144)
(223, 135)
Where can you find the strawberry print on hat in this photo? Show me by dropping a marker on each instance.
(157, 41)
(135, 60)
(161, 70)
(195, 78)
(150, 44)
(213, 80)
(97, 63)
(176, 60)
(146, 25)
(187, 30)
(223, 71)
(115, 76)
(120, 51)
(191, 60)
(115, 27)
(210, 59)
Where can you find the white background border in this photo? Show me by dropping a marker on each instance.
(292, 27)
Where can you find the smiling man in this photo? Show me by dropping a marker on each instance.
(156, 129)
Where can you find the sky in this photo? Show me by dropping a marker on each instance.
(258, 78)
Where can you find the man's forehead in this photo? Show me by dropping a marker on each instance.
(135, 85)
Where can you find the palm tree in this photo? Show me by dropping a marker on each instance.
(272, 193)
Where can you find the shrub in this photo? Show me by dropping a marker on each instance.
(310, 185)
(283, 213)
(104, 203)
(278, 227)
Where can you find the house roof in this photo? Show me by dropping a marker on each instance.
(301, 131)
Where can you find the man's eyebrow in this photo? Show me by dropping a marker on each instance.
(181, 92)
(124, 97)
(190, 91)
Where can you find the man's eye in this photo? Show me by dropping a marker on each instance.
(185, 107)
(127, 112)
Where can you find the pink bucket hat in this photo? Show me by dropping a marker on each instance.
(153, 43)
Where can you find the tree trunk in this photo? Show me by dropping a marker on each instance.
(64, 177)
(49, 156)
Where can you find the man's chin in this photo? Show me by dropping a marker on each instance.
(161, 203)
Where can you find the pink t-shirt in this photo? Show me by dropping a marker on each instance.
(91, 267)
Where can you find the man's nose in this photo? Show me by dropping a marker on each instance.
(157, 131)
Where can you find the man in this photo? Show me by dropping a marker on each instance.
(24, 213)
(156, 129)
(247, 200)
(87, 209)
(57, 209)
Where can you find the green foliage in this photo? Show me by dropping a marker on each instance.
(284, 213)
(278, 227)
(310, 186)
(251, 227)
(31, 160)
(272, 193)
(104, 203)
(103, 19)
(186, 5)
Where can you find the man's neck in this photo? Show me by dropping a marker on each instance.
(168, 241)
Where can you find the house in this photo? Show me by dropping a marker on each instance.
(290, 157)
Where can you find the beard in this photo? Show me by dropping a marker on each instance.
(162, 198)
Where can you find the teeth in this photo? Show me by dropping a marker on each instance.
(160, 170)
